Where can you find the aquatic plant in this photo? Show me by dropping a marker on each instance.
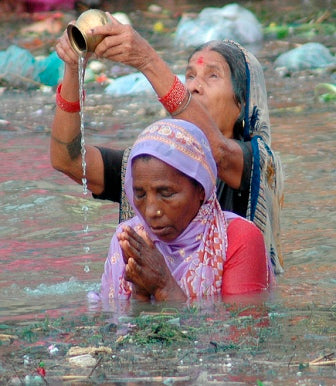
(329, 96)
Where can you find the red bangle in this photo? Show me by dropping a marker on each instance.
(175, 97)
(69, 107)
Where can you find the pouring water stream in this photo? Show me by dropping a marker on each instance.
(85, 209)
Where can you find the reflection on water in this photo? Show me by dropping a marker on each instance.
(42, 263)
(41, 221)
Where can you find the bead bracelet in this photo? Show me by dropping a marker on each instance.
(175, 96)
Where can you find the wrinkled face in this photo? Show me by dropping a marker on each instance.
(166, 199)
(208, 77)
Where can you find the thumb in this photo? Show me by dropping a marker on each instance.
(142, 233)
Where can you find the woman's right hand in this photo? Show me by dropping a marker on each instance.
(123, 44)
(68, 54)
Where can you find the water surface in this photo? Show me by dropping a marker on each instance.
(44, 271)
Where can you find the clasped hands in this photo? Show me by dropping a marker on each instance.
(146, 268)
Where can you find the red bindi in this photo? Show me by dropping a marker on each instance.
(200, 60)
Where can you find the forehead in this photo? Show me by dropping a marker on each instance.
(154, 170)
(208, 57)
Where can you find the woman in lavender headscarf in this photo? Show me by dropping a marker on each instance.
(180, 244)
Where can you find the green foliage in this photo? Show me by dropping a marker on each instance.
(329, 96)
(158, 328)
(304, 30)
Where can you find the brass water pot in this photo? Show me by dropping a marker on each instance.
(79, 33)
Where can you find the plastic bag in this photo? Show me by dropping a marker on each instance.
(307, 56)
(131, 84)
(230, 22)
(50, 69)
(19, 68)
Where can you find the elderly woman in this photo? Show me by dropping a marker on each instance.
(180, 244)
(224, 95)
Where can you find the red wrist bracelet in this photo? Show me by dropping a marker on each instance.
(69, 107)
(175, 97)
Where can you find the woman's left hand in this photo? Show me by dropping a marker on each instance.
(146, 267)
(123, 44)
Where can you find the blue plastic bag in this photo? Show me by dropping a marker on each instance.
(18, 67)
(308, 56)
(229, 22)
(50, 70)
(131, 84)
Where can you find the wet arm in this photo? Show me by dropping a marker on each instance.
(123, 44)
(65, 141)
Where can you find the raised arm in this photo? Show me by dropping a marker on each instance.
(65, 142)
(123, 44)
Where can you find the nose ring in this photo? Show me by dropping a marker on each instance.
(158, 212)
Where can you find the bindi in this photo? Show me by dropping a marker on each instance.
(200, 60)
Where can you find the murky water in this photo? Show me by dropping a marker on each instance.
(42, 264)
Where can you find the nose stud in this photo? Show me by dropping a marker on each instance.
(158, 212)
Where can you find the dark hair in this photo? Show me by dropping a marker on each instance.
(234, 57)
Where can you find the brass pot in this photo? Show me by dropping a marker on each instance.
(80, 38)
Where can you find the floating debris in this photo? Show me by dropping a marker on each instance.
(325, 360)
(76, 350)
(85, 360)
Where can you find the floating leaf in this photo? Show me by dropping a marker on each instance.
(329, 96)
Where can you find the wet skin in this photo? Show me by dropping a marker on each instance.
(208, 77)
(157, 187)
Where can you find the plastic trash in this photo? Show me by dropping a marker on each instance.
(18, 67)
(122, 17)
(85, 360)
(131, 84)
(15, 64)
(230, 22)
(50, 69)
(307, 56)
(128, 85)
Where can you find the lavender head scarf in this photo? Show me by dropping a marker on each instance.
(196, 257)
(179, 144)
